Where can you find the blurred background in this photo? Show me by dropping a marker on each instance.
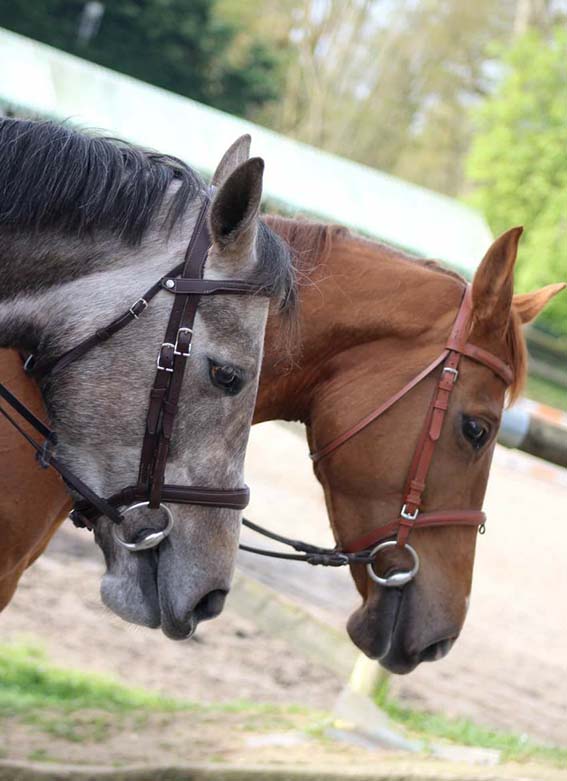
(465, 99)
(452, 111)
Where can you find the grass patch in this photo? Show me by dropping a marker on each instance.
(427, 726)
(78, 706)
(70, 704)
(28, 683)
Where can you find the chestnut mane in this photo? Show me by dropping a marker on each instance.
(312, 243)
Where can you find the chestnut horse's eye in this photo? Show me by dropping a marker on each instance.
(227, 378)
(475, 431)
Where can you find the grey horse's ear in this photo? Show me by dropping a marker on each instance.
(235, 208)
(236, 154)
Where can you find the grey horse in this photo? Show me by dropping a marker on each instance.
(87, 224)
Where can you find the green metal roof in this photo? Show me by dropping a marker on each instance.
(301, 178)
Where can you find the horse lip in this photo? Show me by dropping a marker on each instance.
(362, 624)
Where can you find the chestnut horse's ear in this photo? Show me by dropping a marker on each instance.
(493, 283)
(529, 305)
(236, 154)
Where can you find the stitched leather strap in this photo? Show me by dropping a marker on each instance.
(442, 518)
(86, 514)
(38, 367)
(207, 287)
(366, 421)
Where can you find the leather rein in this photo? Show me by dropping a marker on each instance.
(186, 284)
(365, 549)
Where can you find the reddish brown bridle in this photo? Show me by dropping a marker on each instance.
(365, 549)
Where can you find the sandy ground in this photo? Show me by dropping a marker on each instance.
(508, 669)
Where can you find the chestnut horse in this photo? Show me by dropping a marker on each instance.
(370, 319)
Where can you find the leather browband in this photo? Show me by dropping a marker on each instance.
(207, 287)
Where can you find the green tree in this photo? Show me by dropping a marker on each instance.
(518, 161)
(388, 83)
(181, 45)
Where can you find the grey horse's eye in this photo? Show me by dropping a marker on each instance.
(227, 378)
(475, 431)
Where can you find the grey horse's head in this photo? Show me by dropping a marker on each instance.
(71, 265)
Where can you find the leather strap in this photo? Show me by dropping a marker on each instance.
(317, 455)
(207, 287)
(499, 367)
(442, 518)
(85, 514)
(172, 359)
(39, 367)
(26, 414)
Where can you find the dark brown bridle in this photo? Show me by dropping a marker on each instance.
(365, 549)
(185, 282)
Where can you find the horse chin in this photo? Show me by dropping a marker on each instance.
(385, 628)
(372, 626)
(165, 587)
(131, 592)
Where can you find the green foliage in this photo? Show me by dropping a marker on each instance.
(465, 732)
(518, 162)
(29, 682)
(78, 706)
(176, 44)
(546, 392)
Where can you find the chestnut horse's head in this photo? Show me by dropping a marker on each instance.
(365, 477)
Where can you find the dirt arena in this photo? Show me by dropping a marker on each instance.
(508, 669)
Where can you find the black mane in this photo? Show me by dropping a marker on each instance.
(52, 176)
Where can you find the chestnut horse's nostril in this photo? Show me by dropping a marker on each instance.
(210, 605)
(436, 650)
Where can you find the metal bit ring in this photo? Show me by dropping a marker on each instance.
(152, 539)
(397, 579)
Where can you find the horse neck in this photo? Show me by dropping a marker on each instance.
(356, 292)
(36, 260)
(49, 277)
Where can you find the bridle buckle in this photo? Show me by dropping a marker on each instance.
(407, 515)
(176, 350)
(158, 362)
(135, 311)
(454, 372)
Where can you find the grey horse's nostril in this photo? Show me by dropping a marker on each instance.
(210, 605)
(436, 650)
